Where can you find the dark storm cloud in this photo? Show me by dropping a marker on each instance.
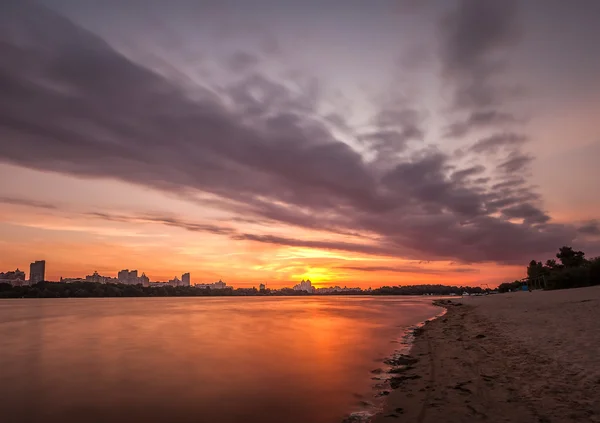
(475, 36)
(495, 142)
(72, 104)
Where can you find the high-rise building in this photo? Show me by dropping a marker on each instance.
(262, 287)
(305, 285)
(37, 271)
(185, 279)
(123, 276)
(133, 277)
(144, 280)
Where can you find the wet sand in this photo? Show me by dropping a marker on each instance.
(516, 357)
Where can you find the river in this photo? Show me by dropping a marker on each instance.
(155, 360)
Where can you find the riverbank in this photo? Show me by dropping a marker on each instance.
(518, 357)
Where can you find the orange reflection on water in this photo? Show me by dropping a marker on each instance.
(195, 359)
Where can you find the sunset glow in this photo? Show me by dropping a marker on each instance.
(365, 144)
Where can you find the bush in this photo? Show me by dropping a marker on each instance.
(572, 277)
(595, 271)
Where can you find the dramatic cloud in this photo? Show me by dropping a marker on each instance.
(71, 104)
(408, 269)
(479, 120)
(27, 203)
(395, 127)
(494, 143)
(242, 61)
(527, 212)
(475, 37)
(516, 162)
(240, 236)
(468, 172)
(590, 228)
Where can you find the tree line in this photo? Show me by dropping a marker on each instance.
(572, 270)
(91, 289)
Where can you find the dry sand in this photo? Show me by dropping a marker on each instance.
(516, 357)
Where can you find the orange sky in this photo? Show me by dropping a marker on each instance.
(74, 245)
(360, 144)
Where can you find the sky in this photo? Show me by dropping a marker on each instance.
(258, 141)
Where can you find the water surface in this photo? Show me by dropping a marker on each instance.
(155, 360)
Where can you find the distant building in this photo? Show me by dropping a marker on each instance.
(175, 281)
(214, 285)
(185, 279)
(128, 277)
(219, 285)
(97, 278)
(336, 289)
(123, 276)
(262, 287)
(305, 285)
(15, 278)
(72, 280)
(37, 271)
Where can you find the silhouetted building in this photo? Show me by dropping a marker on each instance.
(96, 278)
(185, 279)
(123, 276)
(72, 280)
(175, 281)
(15, 278)
(262, 287)
(305, 285)
(214, 285)
(37, 271)
(131, 277)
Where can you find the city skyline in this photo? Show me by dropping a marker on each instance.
(131, 277)
(377, 143)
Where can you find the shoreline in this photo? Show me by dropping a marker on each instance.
(387, 376)
(495, 358)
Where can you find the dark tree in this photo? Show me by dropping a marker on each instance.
(570, 258)
(535, 269)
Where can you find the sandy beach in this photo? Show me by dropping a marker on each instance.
(516, 357)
